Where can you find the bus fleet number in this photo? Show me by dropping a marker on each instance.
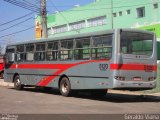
(103, 67)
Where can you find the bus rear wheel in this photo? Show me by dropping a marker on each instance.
(17, 83)
(65, 87)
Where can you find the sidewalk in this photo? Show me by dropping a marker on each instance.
(5, 84)
(140, 93)
(124, 92)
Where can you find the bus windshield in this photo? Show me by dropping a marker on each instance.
(136, 43)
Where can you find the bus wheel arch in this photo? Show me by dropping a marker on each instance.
(64, 86)
(60, 78)
(16, 74)
(17, 82)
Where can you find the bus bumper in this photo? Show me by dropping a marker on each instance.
(132, 85)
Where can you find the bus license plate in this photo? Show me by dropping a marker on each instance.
(137, 79)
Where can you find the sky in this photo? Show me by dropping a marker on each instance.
(9, 12)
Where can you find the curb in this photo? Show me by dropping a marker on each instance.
(124, 92)
(5, 84)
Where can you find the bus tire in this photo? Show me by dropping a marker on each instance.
(65, 87)
(17, 83)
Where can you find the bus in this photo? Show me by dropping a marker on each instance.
(98, 61)
(1, 66)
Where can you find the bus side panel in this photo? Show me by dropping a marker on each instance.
(88, 76)
(8, 77)
(82, 74)
(9, 74)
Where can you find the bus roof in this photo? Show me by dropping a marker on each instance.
(80, 35)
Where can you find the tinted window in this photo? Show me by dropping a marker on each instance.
(66, 52)
(30, 52)
(39, 55)
(136, 43)
(20, 53)
(82, 50)
(102, 47)
(29, 47)
(20, 48)
(52, 51)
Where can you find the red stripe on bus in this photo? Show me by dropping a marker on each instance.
(60, 68)
(51, 66)
(1, 66)
(141, 67)
(45, 81)
(41, 66)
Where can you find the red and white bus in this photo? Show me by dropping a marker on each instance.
(118, 59)
(1, 66)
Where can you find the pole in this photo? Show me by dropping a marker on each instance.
(44, 19)
(112, 13)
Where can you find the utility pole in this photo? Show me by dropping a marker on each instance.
(44, 19)
(112, 22)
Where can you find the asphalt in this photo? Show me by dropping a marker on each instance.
(123, 92)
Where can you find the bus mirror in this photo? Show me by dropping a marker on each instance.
(11, 57)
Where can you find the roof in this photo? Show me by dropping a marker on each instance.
(80, 35)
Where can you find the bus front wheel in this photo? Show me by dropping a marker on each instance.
(17, 83)
(65, 87)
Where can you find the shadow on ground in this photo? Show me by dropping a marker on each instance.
(109, 97)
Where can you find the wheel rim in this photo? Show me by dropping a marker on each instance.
(65, 87)
(17, 83)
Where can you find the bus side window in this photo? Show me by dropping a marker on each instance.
(52, 51)
(82, 50)
(40, 52)
(30, 52)
(66, 52)
(10, 55)
(20, 53)
(102, 47)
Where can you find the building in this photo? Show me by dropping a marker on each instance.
(106, 14)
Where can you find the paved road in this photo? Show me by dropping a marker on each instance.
(33, 101)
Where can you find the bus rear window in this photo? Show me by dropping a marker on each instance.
(136, 43)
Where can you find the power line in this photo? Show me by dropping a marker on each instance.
(20, 30)
(59, 12)
(16, 19)
(16, 24)
(104, 7)
(17, 32)
(30, 3)
(24, 5)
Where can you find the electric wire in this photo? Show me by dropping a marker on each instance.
(101, 8)
(16, 19)
(59, 12)
(24, 5)
(16, 24)
(17, 32)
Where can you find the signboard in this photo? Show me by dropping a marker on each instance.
(38, 30)
(153, 28)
